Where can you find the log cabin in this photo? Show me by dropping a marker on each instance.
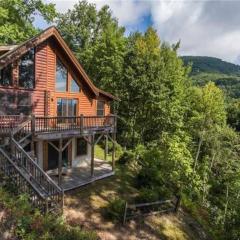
(51, 118)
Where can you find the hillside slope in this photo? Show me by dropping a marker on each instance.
(225, 75)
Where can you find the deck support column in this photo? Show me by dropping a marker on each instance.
(106, 148)
(60, 162)
(113, 150)
(33, 135)
(92, 154)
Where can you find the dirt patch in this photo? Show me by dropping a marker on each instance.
(84, 207)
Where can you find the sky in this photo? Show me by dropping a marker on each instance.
(204, 27)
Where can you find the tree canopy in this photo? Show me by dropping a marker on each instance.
(17, 18)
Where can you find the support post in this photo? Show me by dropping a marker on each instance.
(60, 162)
(177, 205)
(92, 155)
(33, 125)
(81, 124)
(106, 148)
(113, 150)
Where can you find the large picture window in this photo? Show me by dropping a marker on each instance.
(81, 147)
(27, 70)
(6, 76)
(61, 77)
(100, 108)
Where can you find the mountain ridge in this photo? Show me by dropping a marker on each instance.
(210, 64)
(224, 74)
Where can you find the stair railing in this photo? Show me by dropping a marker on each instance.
(20, 181)
(43, 183)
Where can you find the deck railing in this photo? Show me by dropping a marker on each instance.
(81, 123)
(10, 122)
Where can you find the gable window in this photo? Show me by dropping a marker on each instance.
(74, 86)
(61, 77)
(100, 108)
(27, 70)
(81, 147)
(6, 76)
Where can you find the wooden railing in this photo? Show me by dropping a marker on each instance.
(45, 186)
(22, 184)
(81, 123)
(10, 122)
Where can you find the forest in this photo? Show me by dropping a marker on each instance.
(183, 137)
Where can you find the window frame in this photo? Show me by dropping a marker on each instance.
(67, 101)
(103, 109)
(34, 69)
(58, 59)
(2, 76)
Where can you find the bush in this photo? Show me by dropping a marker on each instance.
(115, 210)
(26, 222)
(126, 157)
(118, 148)
(147, 195)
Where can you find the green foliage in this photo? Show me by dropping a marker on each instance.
(97, 41)
(115, 210)
(28, 223)
(233, 116)
(126, 157)
(210, 64)
(17, 17)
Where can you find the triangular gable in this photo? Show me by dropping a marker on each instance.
(17, 52)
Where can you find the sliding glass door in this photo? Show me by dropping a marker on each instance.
(67, 108)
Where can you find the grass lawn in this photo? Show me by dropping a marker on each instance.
(85, 207)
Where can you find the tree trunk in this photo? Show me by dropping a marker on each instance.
(198, 153)
(226, 206)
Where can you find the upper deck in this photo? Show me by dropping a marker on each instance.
(58, 127)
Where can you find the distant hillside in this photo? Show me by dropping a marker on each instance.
(210, 65)
(225, 75)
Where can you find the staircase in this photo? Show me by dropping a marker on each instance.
(19, 165)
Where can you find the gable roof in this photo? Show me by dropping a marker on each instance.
(21, 49)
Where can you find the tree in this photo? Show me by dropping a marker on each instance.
(97, 41)
(153, 86)
(17, 17)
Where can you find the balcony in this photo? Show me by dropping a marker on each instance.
(53, 127)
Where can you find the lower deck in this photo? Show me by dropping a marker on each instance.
(79, 176)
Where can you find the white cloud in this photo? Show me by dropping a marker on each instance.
(204, 27)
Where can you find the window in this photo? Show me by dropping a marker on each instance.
(6, 76)
(26, 70)
(100, 108)
(61, 77)
(74, 86)
(81, 147)
(66, 107)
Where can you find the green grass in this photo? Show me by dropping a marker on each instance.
(99, 153)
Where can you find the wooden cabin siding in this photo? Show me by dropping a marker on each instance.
(38, 97)
(43, 98)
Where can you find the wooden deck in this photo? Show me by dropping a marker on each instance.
(79, 176)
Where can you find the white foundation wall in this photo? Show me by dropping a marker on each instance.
(84, 160)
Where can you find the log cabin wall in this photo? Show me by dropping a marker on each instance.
(43, 97)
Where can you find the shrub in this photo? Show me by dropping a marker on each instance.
(115, 210)
(126, 157)
(26, 222)
(147, 195)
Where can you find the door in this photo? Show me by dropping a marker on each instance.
(66, 108)
(53, 156)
